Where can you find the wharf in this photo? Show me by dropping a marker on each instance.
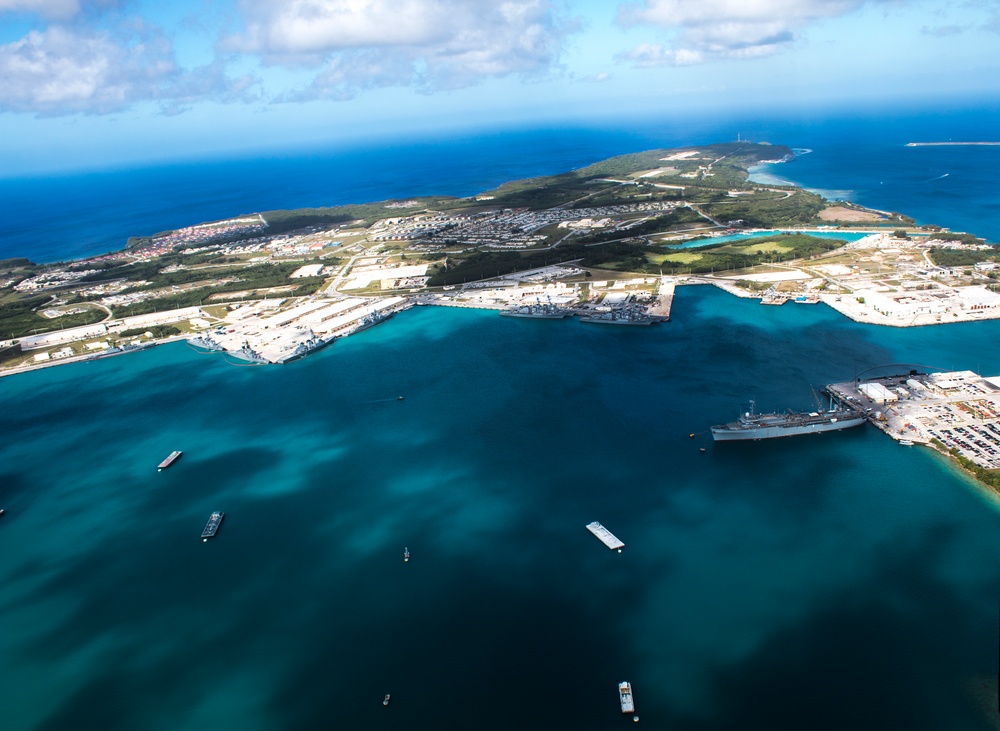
(664, 299)
(605, 536)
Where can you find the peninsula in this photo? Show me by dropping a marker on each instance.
(609, 242)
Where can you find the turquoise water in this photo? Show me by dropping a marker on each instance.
(830, 582)
(843, 235)
(948, 186)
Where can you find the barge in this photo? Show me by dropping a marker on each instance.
(171, 458)
(605, 536)
(625, 697)
(212, 526)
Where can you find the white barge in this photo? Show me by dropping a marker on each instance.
(605, 536)
(625, 696)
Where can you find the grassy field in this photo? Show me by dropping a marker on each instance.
(681, 257)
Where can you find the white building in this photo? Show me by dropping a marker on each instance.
(878, 393)
(978, 298)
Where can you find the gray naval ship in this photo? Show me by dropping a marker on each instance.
(753, 426)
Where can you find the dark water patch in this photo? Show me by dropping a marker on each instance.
(869, 659)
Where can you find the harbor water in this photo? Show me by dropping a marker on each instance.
(826, 582)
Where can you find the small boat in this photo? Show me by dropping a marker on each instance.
(906, 442)
(401, 398)
(406, 554)
(385, 701)
(1, 511)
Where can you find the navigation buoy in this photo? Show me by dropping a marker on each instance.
(691, 436)
(635, 719)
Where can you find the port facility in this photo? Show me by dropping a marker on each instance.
(959, 409)
(605, 536)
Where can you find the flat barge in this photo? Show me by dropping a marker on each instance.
(625, 696)
(605, 536)
(171, 458)
(212, 526)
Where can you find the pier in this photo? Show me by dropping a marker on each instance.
(664, 298)
(605, 536)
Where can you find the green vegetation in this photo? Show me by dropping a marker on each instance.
(764, 209)
(729, 162)
(658, 224)
(19, 319)
(252, 278)
(637, 256)
(968, 239)
(681, 257)
(962, 257)
(158, 331)
(986, 476)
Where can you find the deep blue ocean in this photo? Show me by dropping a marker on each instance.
(832, 582)
(863, 158)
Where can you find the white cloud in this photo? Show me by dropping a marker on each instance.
(430, 44)
(65, 71)
(56, 9)
(709, 30)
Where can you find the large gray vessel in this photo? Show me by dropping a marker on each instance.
(753, 426)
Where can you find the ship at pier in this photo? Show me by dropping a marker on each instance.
(539, 311)
(754, 426)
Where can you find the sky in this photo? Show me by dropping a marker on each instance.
(91, 83)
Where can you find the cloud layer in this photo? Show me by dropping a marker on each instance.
(63, 70)
(430, 44)
(711, 30)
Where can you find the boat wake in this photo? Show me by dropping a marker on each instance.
(939, 177)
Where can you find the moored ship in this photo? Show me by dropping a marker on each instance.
(537, 311)
(754, 426)
(311, 345)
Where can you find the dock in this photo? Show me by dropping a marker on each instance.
(664, 299)
(212, 527)
(605, 536)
